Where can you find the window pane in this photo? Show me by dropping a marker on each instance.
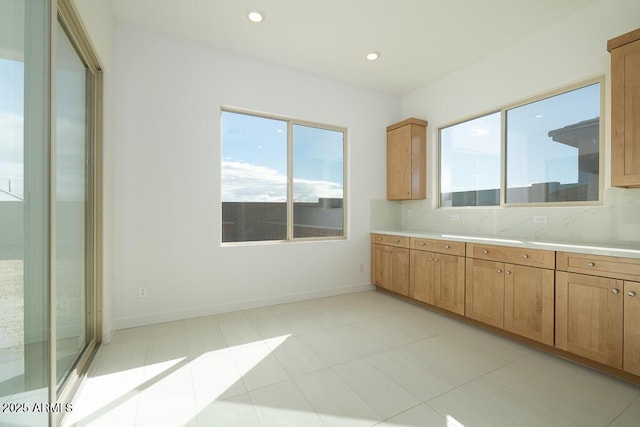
(470, 162)
(254, 178)
(553, 148)
(318, 168)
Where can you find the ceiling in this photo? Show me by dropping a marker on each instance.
(419, 40)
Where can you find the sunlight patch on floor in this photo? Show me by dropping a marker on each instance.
(155, 393)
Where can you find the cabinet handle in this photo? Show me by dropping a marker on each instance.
(397, 240)
(435, 259)
(591, 264)
(525, 256)
(447, 247)
(631, 294)
(485, 251)
(507, 272)
(499, 271)
(380, 239)
(422, 243)
(430, 259)
(615, 291)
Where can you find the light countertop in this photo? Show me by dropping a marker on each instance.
(625, 251)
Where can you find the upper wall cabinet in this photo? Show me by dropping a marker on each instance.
(407, 160)
(625, 109)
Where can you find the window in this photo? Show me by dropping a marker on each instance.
(551, 153)
(470, 162)
(281, 179)
(553, 148)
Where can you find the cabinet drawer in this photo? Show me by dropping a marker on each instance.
(599, 265)
(522, 256)
(390, 240)
(440, 246)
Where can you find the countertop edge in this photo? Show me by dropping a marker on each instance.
(574, 247)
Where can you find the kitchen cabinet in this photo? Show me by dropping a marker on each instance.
(598, 309)
(437, 273)
(631, 322)
(390, 263)
(407, 160)
(584, 307)
(625, 109)
(511, 288)
(529, 302)
(589, 317)
(485, 292)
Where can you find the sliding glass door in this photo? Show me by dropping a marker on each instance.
(49, 231)
(73, 226)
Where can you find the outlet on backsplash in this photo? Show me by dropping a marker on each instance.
(540, 219)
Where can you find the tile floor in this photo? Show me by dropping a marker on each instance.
(354, 360)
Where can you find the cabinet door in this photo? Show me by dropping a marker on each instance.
(422, 276)
(485, 291)
(381, 266)
(448, 282)
(529, 302)
(632, 327)
(399, 275)
(589, 317)
(399, 163)
(625, 112)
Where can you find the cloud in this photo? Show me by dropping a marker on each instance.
(244, 182)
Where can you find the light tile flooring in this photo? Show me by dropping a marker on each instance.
(354, 360)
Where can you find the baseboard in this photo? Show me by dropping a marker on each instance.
(151, 319)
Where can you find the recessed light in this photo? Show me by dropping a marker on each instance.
(372, 56)
(255, 16)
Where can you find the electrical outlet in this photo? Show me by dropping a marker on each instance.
(409, 213)
(540, 219)
(455, 217)
(142, 292)
(360, 268)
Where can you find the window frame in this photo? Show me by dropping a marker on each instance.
(291, 122)
(600, 79)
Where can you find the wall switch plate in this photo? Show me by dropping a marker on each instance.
(455, 217)
(360, 268)
(142, 292)
(409, 213)
(540, 219)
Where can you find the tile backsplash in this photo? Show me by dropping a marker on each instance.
(616, 222)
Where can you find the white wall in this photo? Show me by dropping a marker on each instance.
(569, 51)
(166, 181)
(99, 23)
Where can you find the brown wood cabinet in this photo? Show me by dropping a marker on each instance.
(390, 263)
(598, 309)
(517, 298)
(407, 160)
(625, 109)
(631, 355)
(438, 278)
(589, 317)
(529, 302)
(485, 292)
(583, 307)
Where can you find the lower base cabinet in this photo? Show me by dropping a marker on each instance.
(513, 297)
(598, 318)
(631, 322)
(589, 317)
(438, 279)
(485, 292)
(529, 302)
(390, 264)
(585, 305)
